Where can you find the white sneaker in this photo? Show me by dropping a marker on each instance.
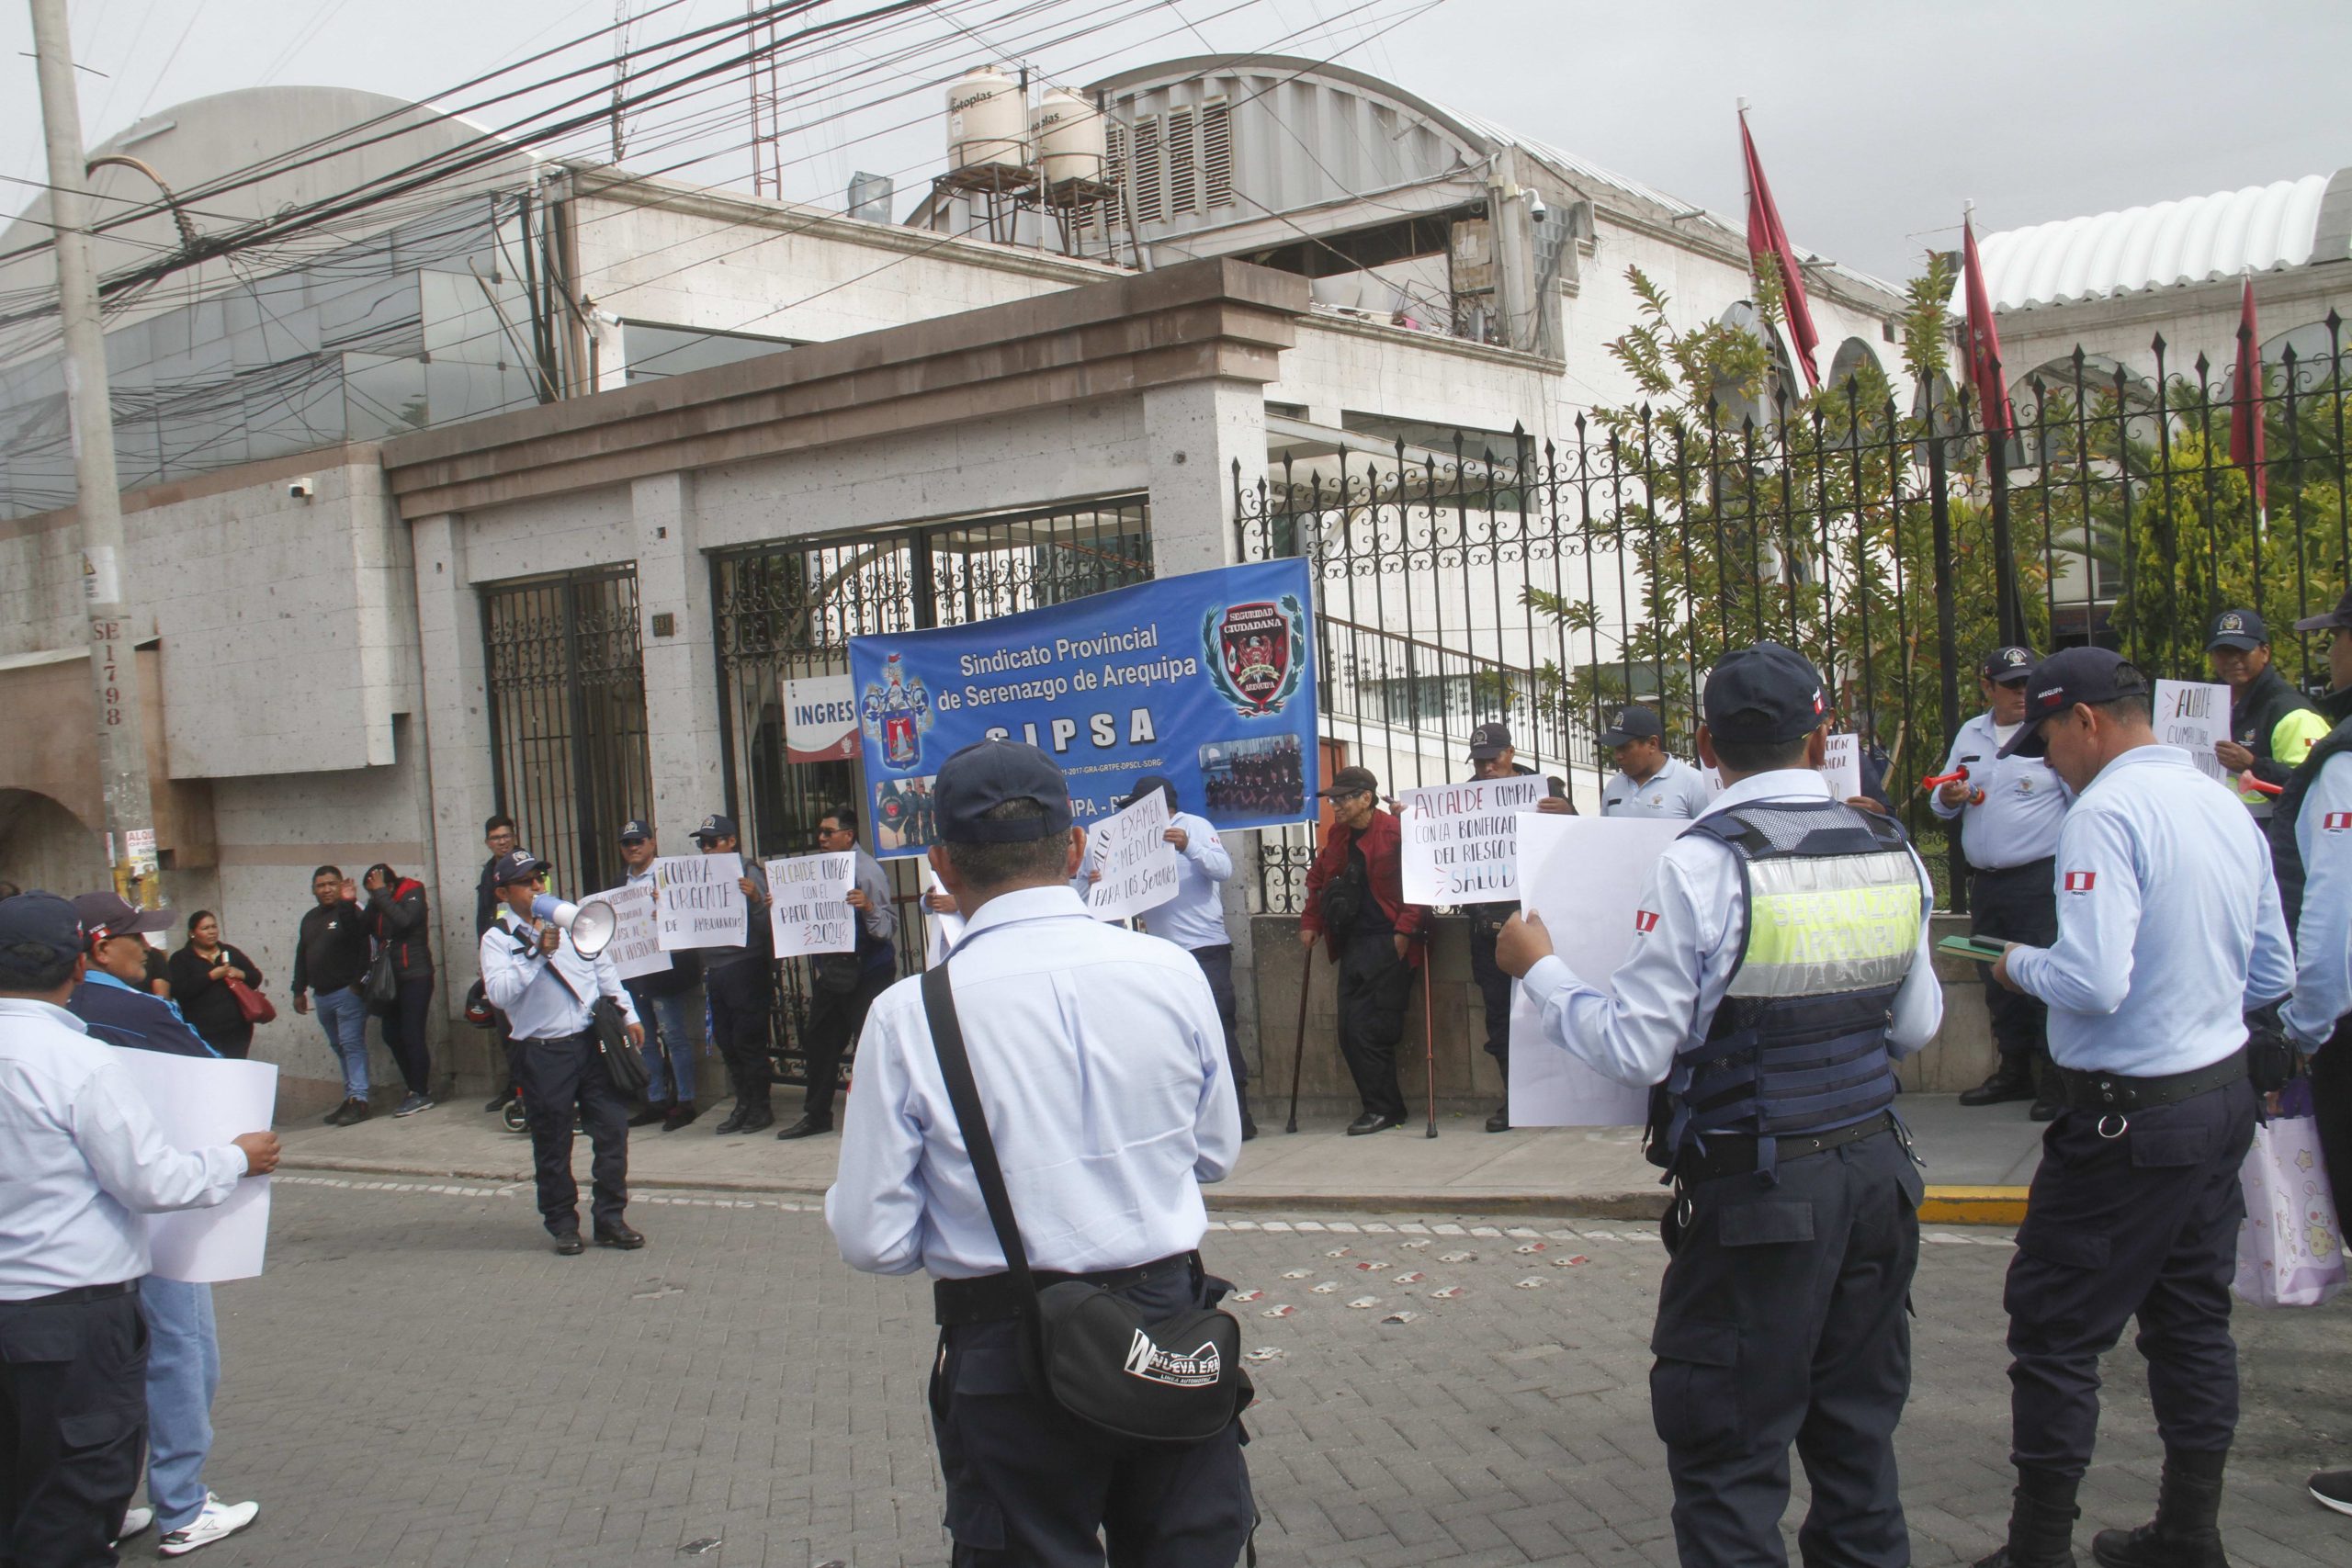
(135, 1522)
(217, 1521)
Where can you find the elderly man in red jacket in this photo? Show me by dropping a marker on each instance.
(1355, 903)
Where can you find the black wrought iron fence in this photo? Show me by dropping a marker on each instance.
(1548, 587)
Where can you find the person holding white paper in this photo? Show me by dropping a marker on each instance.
(843, 986)
(1780, 965)
(86, 1159)
(739, 984)
(664, 1002)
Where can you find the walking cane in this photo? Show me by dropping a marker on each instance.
(1298, 1052)
(1428, 1040)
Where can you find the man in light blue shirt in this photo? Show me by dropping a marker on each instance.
(1648, 783)
(2170, 932)
(2009, 811)
(1101, 1069)
(548, 991)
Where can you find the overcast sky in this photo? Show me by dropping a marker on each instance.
(1875, 118)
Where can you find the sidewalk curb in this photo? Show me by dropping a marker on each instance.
(1973, 1206)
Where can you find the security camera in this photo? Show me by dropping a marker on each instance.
(300, 489)
(1536, 211)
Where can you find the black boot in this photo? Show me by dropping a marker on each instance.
(2013, 1079)
(2042, 1523)
(2186, 1530)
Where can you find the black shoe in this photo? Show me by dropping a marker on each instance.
(619, 1236)
(569, 1245)
(1372, 1121)
(2007, 1083)
(2186, 1530)
(807, 1127)
(759, 1116)
(1500, 1120)
(2333, 1489)
(338, 1116)
(655, 1111)
(680, 1116)
(2041, 1523)
(356, 1111)
(734, 1121)
(2048, 1104)
(496, 1104)
(1249, 1126)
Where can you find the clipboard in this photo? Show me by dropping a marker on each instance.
(1968, 947)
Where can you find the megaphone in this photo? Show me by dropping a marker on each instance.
(592, 925)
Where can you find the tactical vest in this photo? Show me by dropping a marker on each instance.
(2286, 855)
(1834, 907)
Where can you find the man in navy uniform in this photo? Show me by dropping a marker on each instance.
(1780, 965)
(2170, 932)
(1101, 1071)
(2009, 811)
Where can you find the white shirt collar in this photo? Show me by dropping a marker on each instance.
(29, 1007)
(1025, 904)
(1780, 784)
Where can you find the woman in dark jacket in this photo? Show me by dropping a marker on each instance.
(397, 920)
(198, 975)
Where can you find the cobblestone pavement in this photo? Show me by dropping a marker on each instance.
(418, 1381)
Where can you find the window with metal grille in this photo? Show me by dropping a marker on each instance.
(1149, 184)
(1183, 167)
(1216, 154)
(1114, 174)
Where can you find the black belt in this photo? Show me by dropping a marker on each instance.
(2114, 1092)
(554, 1039)
(995, 1298)
(2043, 867)
(80, 1294)
(1734, 1153)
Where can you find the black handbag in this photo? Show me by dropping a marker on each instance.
(1088, 1349)
(836, 974)
(623, 1061)
(382, 987)
(1345, 896)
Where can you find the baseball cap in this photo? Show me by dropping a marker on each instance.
(40, 919)
(2007, 663)
(2237, 629)
(714, 827)
(1144, 785)
(109, 914)
(1350, 781)
(515, 866)
(2069, 676)
(2339, 616)
(1765, 694)
(636, 827)
(1635, 723)
(986, 774)
(1489, 741)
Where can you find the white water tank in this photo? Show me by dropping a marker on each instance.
(986, 120)
(1067, 132)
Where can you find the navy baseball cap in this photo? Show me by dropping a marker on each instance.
(2008, 663)
(1635, 723)
(986, 774)
(109, 914)
(515, 866)
(2339, 616)
(1145, 785)
(634, 828)
(2069, 676)
(714, 827)
(43, 921)
(1489, 741)
(1764, 694)
(2239, 629)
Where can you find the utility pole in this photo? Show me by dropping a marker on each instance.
(114, 666)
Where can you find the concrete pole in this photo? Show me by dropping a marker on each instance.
(114, 667)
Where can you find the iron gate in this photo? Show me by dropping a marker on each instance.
(566, 680)
(786, 611)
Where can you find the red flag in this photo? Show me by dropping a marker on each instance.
(1984, 339)
(1768, 243)
(2246, 403)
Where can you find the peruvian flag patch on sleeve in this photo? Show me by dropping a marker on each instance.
(1646, 920)
(2080, 881)
(2336, 822)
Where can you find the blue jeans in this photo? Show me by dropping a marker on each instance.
(183, 1373)
(669, 1049)
(344, 1016)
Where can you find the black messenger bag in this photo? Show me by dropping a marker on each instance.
(1088, 1349)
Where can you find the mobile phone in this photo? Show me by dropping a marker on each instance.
(1559, 790)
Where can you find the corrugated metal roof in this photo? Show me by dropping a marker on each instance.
(2189, 240)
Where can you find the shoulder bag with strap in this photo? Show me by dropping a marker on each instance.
(622, 1060)
(1088, 1349)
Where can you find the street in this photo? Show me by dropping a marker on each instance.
(419, 1380)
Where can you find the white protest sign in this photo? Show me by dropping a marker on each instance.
(819, 719)
(942, 928)
(1841, 764)
(1140, 869)
(1461, 841)
(2195, 716)
(1584, 876)
(636, 947)
(201, 1104)
(808, 904)
(702, 901)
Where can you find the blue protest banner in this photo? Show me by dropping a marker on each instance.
(1207, 680)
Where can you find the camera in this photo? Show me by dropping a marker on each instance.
(1536, 211)
(300, 489)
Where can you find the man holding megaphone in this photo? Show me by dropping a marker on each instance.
(547, 986)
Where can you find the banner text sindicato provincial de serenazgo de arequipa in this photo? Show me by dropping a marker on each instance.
(1207, 680)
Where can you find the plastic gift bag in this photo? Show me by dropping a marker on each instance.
(2290, 1244)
